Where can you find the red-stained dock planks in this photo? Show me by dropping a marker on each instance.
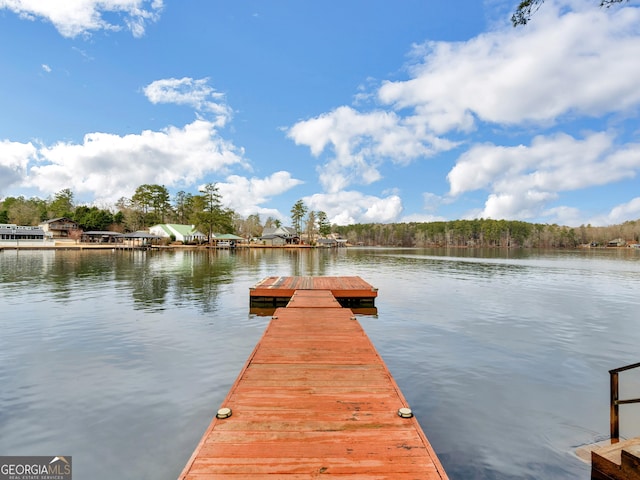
(351, 289)
(314, 399)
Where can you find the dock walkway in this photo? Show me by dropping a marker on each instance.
(314, 398)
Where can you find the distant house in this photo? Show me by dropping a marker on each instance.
(618, 242)
(182, 233)
(272, 240)
(332, 242)
(279, 236)
(13, 232)
(327, 242)
(59, 227)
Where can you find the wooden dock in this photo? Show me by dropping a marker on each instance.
(349, 291)
(314, 399)
(613, 460)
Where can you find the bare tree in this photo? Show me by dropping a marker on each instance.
(311, 227)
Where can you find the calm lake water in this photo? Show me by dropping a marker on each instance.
(121, 359)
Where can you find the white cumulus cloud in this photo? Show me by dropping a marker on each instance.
(619, 214)
(572, 64)
(14, 159)
(247, 195)
(196, 93)
(76, 17)
(523, 180)
(359, 142)
(108, 166)
(348, 207)
(577, 63)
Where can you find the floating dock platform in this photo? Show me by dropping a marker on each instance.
(314, 400)
(277, 291)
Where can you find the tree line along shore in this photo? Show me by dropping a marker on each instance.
(152, 204)
(489, 233)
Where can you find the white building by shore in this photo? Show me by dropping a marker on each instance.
(12, 233)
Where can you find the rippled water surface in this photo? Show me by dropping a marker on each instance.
(121, 359)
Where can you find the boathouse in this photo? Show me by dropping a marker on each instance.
(98, 236)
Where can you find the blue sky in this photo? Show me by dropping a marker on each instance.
(372, 111)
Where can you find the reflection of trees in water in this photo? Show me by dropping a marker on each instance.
(190, 278)
(259, 263)
(149, 289)
(57, 271)
(134, 270)
(185, 278)
(209, 270)
(313, 262)
(194, 278)
(19, 267)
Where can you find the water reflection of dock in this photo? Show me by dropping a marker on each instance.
(314, 398)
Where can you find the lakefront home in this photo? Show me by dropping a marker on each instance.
(617, 242)
(59, 227)
(182, 233)
(279, 236)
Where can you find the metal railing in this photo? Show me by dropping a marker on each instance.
(616, 402)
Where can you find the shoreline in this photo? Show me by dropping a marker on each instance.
(120, 247)
(91, 246)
